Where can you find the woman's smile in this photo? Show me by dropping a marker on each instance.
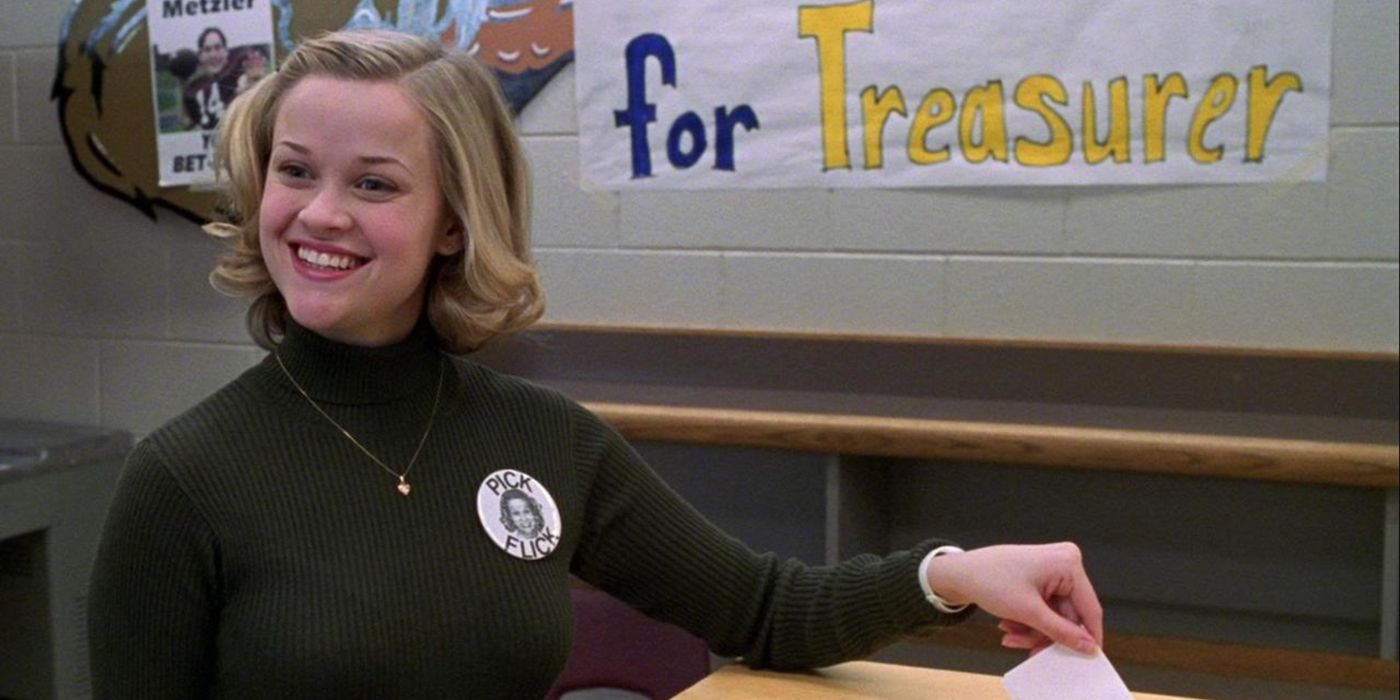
(319, 260)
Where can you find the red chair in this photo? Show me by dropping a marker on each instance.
(616, 647)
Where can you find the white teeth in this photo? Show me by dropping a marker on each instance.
(339, 262)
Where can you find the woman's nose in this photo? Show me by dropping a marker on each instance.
(325, 213)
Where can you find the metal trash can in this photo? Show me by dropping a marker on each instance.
(55, 484)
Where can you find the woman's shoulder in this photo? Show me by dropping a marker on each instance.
(229, 416)
(482, 382)
(518, 401)
(518, 394)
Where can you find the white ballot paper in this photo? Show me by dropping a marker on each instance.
(1060, 673)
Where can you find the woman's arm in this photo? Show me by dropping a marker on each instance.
(644, 544)
(152, 605)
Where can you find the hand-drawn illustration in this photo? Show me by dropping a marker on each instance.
(106, 63)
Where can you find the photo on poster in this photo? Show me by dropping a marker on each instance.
(200, 62)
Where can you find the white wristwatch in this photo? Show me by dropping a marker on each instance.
(938, 603)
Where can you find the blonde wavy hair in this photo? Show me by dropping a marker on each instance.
(488, 288)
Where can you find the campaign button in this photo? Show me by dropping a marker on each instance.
(519, 514)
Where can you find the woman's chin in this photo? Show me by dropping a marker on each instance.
(316, 317)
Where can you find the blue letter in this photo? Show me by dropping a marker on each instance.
(688, 123)
(724, 132)
(639, 113)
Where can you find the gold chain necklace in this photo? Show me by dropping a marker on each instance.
(403, 486)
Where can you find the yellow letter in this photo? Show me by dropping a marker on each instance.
(985, 102)
(1116, 145)
(876, 111)
(828, 24)
(1218, 100)
(1031, 93)
(1264, 98)
(1155, 99)
(936, 110)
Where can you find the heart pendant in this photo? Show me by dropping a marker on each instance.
(404, 488)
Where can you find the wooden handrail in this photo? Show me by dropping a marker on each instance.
(1218, 658)
(1223, 456)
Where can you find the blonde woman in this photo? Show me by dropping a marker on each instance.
(329, 524)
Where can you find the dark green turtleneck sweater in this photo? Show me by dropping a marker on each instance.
(253, 551)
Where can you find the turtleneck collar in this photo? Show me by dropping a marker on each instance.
(335, 372)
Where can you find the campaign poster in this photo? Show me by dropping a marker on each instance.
(954, 93)
(204, 53)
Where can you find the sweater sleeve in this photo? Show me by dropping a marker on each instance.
(152, 604)
(645, 545)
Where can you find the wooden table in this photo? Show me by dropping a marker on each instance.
(858, 679)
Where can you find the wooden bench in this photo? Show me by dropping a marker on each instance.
(1295, 417)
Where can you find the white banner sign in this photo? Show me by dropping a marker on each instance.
(203, 54)
(912, 93)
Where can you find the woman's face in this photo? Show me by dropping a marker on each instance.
(522, 516)
(352, 211)
(213, 52)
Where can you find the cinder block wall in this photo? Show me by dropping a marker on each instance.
(106, 317)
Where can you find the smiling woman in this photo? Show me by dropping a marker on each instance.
(308, 531)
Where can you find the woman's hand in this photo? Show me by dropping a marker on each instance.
(1040, 592)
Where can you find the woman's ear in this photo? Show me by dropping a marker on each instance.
(452, 241)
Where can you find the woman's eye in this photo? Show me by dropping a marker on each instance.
(292, 170)
(376, 185)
